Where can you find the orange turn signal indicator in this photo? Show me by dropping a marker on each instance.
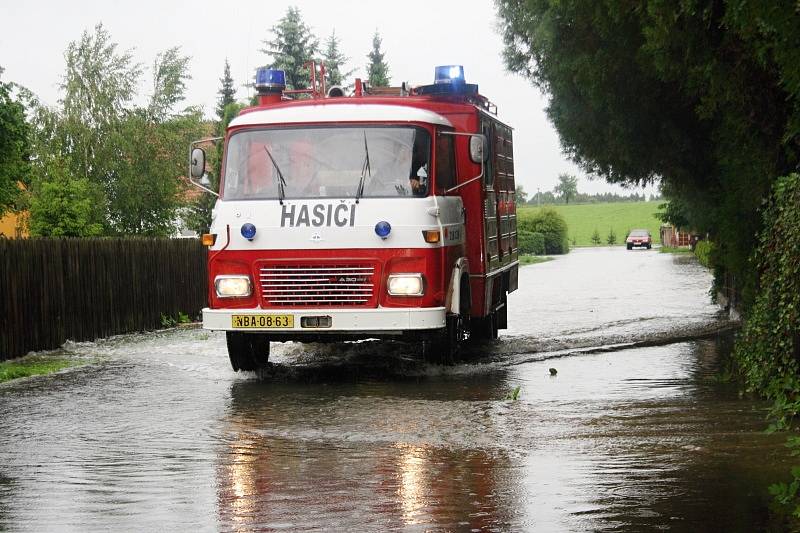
(431, 236)
(209, 239)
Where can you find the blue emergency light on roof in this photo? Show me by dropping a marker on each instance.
(448, 79)
(449, 74)
(267, 78)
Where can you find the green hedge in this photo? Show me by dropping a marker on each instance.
(550, 224)
(703, 251)
(531, 242)
(767, 350)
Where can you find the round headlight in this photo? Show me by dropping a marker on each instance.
(383, 229)
(248, 231)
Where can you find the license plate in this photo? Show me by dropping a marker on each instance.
(262, 321)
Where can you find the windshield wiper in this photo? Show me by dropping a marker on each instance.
(364, 170)
(281, 181)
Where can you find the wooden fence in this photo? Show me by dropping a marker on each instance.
(52, 290)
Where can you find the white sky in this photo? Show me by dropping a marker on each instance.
(417, 35)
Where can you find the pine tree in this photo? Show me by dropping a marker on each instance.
(334, 61)
(377, 69)
(292, 47)
(227, 92)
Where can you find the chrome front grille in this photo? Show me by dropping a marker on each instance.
(317, 285)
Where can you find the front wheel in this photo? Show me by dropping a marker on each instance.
(247, 351)
(446, 347)
(486, 328)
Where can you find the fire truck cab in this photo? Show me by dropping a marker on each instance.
(386, 214)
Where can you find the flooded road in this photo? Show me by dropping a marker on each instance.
(634, 432)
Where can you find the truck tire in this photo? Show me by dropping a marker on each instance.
(247, 351)
(445, 347)
(486, 328)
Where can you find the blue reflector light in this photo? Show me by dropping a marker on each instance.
(383, 229)
(270, 78)
(248, 231)
(449, 74)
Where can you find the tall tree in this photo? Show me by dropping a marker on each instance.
(702, 95)
(377, 68)
(14, 146)
(60, 203)
(227, 91)
(567, 187)
(170, 74)
(73, 145)
(292, 46)
(145, 195)
(335, 61)
(99, 84)
(100, 161)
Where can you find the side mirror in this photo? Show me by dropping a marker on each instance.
(478, 150)
(198, 163)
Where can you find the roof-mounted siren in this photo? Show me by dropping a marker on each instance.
(335, 91)
(449, 74)
(270, 84)
(448, 79)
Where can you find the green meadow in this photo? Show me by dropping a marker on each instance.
(583, 219)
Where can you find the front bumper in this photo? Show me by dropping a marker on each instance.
(380, 321)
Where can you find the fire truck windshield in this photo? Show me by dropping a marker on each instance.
(327, 162)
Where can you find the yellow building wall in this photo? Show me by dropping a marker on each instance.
(12, 225)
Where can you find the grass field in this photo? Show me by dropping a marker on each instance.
(583, 219)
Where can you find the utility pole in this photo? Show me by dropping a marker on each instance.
(538, 197)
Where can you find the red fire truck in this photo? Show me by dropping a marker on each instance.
(386, 214)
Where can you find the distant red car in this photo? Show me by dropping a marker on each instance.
(639, 237)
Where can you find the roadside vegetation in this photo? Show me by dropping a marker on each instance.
(168, 321)
(705, 97)
(768, 347)
(704, 250)
(542, 231)
(529, 259)
(593, 224)
(674, 250)
(32, 366)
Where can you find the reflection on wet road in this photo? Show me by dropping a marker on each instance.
(158, 433)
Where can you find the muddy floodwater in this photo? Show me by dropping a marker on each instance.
(634, 432)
